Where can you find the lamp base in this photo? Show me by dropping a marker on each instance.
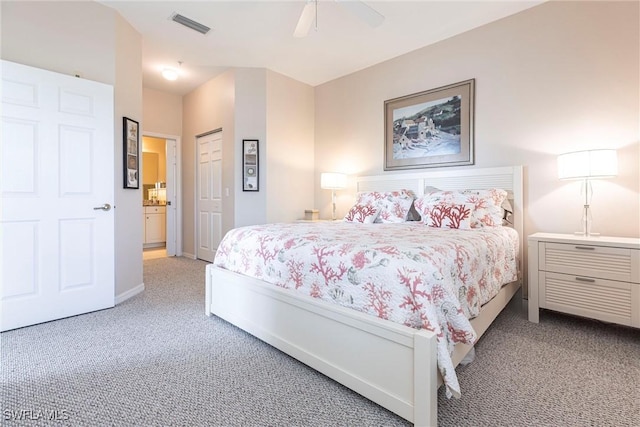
(586, 221)
(582, 233)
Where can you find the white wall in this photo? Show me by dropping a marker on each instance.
(559, 77)
(92, 40)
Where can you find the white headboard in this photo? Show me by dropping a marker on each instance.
(508, 178)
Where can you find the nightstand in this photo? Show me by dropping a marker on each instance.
(595, 277)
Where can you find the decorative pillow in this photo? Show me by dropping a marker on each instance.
(507, 212)
(444, 214)
(364, 213)
(413, 214)
(394, 205)
(488, 210)
(487, 204)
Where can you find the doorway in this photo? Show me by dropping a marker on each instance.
(160, 196)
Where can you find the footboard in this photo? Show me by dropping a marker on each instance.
(392, 365)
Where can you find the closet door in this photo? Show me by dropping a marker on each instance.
(209, 200)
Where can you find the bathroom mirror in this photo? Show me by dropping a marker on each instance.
(154, 173)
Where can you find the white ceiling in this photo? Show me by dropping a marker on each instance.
(260, 34)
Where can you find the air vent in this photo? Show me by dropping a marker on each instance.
(190, 23)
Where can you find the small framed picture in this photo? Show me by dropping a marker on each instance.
(250, 164)
(131, 149)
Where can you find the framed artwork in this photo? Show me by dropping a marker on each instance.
(250, 165)
(430, 129)
(131, 141)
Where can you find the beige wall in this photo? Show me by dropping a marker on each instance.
(65, 37)
(92, 40)
(209, 107)
(252, 103)
(128, 103)
(250, 123)
(162, 112)
(559, 77)
(289, 159)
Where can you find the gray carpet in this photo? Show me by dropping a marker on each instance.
(157, 360)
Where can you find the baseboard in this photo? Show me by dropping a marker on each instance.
(188, 255)
(130, 293)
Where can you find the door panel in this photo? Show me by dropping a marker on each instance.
(76, 257)
(57, 154)
(20, 264)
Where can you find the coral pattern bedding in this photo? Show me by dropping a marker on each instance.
(408, 273)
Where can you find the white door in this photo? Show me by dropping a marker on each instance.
(57, 187)
(172, 182)
(209, 200)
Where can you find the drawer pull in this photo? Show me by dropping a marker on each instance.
(584, 279)
(586, 248)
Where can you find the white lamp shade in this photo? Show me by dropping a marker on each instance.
(588, 164)
(333, 181)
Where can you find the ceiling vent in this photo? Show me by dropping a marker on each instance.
(189, 23)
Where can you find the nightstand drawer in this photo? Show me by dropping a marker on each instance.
(601, 262)
(606, 300)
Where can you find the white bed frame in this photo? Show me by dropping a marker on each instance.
(393, 365)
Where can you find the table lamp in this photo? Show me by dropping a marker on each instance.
(333, 181)
(588, 165)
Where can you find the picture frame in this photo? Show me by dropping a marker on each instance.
(250, 165)
(434, 128)
(131, 150)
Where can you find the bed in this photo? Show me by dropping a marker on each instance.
(350, 346)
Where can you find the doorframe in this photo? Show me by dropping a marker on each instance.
(177, 139)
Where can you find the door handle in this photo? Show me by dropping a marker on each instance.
(105, 207)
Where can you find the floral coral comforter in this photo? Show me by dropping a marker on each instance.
(408, 273)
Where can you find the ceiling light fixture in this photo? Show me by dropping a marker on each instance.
(170, 74)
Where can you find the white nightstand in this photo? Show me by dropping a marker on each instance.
(596, 277)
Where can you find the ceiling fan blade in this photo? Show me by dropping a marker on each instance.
(305, 20)
(363, 11)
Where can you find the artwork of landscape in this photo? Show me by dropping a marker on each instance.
(427, 129)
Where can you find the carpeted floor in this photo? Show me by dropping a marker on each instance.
(157, 360)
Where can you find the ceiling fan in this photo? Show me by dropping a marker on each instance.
(358, 8)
